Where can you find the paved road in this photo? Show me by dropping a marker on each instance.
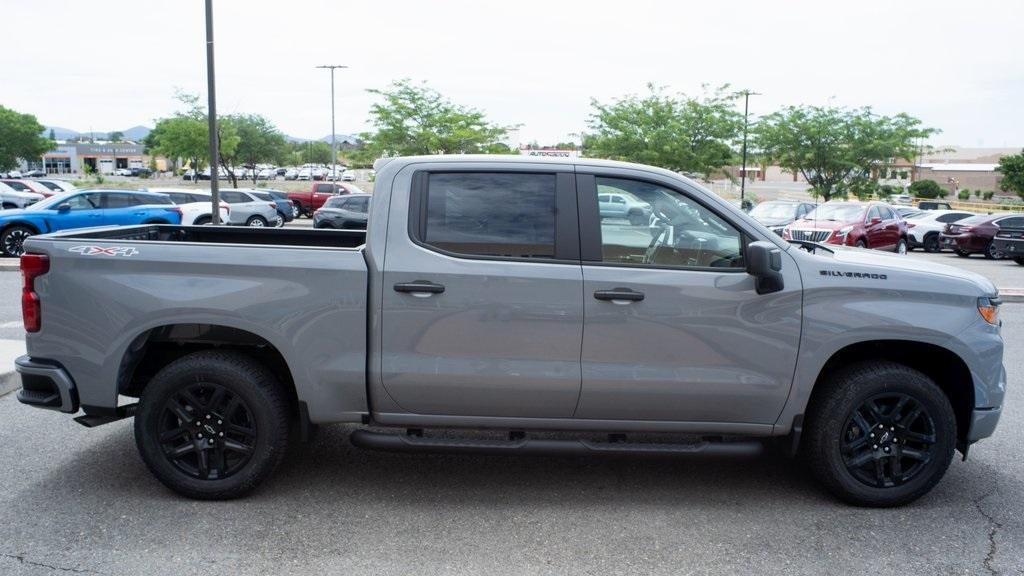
(74, 499)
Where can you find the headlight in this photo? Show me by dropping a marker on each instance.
(844, 230)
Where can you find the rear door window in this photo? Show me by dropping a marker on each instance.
(121, 200)
(234, 197)
(491, 214)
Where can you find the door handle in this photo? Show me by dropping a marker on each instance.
(619, 294)
(421, 286)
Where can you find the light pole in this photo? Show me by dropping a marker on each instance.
(746, 109)
(334, 148)
(212, 118)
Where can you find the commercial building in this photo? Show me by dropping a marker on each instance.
(100, 157)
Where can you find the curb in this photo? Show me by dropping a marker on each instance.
(1011, 294)
(9, 382)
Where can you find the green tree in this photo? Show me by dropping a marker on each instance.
(1011, 169)
(185, 135)
(258, 141)
(925, 189)
(836, 148)
(316, 152)
(115, 136)
(415, 119)
(20, 139)
(676, 132)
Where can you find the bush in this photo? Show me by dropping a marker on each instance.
(977, 193)
(903, 174)
(943, 193)
(925, 189)
(964, 195)
(988, 194)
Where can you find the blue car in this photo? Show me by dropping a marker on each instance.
(82, 209)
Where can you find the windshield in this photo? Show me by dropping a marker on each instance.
(837, 212)
(51, 202)
(773, 210)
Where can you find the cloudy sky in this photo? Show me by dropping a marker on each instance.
(111, 64)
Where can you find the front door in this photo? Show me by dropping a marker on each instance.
(85, 210)
(482, 313)
(673, 329)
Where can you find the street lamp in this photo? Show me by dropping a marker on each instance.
(334, 148)
(212, 119)
(746, 109)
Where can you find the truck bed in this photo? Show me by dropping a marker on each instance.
(226, 235)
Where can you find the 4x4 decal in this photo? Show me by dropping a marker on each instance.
(104, 250)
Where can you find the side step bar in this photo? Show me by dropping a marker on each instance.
(518, 444)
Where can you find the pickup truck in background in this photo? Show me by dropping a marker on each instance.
(305, 203)
(489, 308)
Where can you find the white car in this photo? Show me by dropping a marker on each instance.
(12, 174)
(122, 172)
(11, 198)
(195, 205)
(29, 186)
(56, 186)
(348, 176)
(923, 228)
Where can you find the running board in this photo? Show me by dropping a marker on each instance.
(519, 444)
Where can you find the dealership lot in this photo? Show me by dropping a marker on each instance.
(79, 499)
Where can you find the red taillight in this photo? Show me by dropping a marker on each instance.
(273, 205)
(32, 266)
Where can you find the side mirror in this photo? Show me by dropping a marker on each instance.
(65, 207)
(764, 263)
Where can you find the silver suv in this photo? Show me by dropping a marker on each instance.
(248, 210)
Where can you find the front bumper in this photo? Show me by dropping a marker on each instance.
(983, 423)
(46, 385)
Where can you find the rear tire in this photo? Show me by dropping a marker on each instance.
(296, 210)
(202, 221)
(226, 395)
(280, 221)
(991, 253)
(901, 246)
(256, 222)
(862, 243)
(913, 428)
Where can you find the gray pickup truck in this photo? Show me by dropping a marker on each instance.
(489, 307)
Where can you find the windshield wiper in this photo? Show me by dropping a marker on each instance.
(808, 244)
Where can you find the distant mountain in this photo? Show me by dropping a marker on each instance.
(342, 139)
(135, 133)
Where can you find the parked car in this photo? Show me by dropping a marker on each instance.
(624, 206)
(348, 176)
(267, 174)
(291, 174)
(903, 198)
(56, 186)
(304, 203)
(347, 212)
(933, 205)
(285, 208)
(282, 206)
(123, 172)
(247, 209)
(1009, 240)
(140, 172)
(196, 205)
(974, 235)
(82, 209)
(502, 303)
(925, 227)
(872, 225)
(36, 173)
(13, 196)
(776, 214)
(13, 174)
(905, 211)
(29, 186)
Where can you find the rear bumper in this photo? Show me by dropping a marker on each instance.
(45, 385)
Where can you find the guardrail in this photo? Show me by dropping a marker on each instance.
(980, 207)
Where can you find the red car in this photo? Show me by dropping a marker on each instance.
(864, 224)
(975, 235)
(304, 203)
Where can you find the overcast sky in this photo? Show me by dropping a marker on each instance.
(111, 64)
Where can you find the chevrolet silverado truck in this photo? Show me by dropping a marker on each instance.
(489, 308)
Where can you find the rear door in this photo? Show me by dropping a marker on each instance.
(673, 328)
(890, 225)
(874, 228)
(482, 312)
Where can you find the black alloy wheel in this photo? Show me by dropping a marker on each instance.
(888, 440)
(207, 432)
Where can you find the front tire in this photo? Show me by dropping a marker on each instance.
(931, 243)
(13, 240)
(1019, 260)
(212, 425)
(296, 210)
(256, 222)
(991, 253)
(202, 221)
(901, 246)
(879, 434)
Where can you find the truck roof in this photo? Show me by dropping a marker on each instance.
(517, 159)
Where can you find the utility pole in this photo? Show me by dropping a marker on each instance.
(212, 118)
(334, 146)
(746, 109)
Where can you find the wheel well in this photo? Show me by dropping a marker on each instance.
(943, 366)
(31, 227)
(158, 347)
(156, 221)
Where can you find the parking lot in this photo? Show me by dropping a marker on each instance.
(81, 500)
